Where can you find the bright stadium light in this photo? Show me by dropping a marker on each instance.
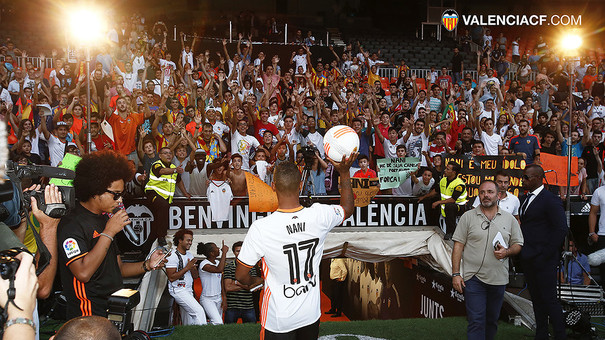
(571, 42)
(87, 25)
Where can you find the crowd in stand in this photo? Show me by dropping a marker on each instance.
(243, 109)
(247, 111)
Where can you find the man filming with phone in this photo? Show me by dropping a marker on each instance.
(89, 261)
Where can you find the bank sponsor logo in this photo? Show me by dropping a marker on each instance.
(291, 291)
(454, 294)
(436, 286)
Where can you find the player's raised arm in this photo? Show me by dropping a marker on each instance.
(347, 200)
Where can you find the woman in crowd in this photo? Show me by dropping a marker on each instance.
(211, 272)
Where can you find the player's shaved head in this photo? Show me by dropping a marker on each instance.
(287, 178)
(88, 328)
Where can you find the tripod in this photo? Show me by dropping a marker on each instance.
(307, 180)
(569, 257)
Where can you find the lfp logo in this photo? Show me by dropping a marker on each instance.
(71, 248)
(449, 19)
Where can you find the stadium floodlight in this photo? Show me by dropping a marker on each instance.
(86, 25)
(570, 43)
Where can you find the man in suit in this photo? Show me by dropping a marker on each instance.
(544, 228)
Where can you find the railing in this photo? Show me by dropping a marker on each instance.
(388, 72)
(34, 60)
(391, 72)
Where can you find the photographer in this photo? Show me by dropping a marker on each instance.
(19, 323)
(90, 265)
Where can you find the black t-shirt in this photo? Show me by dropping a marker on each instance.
(598, 89)
(457, 63)
(591, 161)
(560, 80)
(467, 148)
(34, 159)
(583, 105)
(541, 129)
(400, 119)
(100, 86)
(77, 234)
(496, 54)
(552, 149)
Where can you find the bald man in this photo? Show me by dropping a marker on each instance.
(88, 328)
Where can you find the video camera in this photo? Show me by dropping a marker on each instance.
(16, 203)
(16, 173)
(308, 152)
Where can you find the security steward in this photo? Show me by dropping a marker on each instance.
(164, 177)
(453, 197)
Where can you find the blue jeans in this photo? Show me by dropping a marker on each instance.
(593, 184)
(233, 314)
(483, 304)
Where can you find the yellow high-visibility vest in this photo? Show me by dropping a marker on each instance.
(164, 185)
(448, 190)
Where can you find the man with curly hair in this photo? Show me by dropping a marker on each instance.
(90, 265)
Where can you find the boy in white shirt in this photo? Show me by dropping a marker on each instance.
(181, 271)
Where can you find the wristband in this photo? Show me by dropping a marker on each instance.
(145, 267)
(20, 321)
(455, 274)
(109, 237)
(590, 234)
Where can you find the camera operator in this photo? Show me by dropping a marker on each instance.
(90, 265)
(10, 239)
(48, 234)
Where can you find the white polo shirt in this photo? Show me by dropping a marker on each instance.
(290, 244)
(510, 204)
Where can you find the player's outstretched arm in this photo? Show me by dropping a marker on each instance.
(347, 200)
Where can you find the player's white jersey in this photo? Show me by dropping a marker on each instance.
(290, 244)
